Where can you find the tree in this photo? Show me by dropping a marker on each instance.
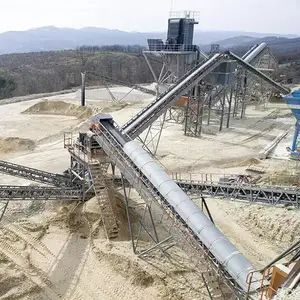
(7, 87)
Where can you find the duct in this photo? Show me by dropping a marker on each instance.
(255, 53)
(219, 246)
(249, 51)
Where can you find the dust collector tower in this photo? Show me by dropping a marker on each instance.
(178, 52)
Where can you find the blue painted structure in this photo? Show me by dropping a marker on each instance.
(293, 101)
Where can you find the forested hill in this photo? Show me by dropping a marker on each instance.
(31, 73)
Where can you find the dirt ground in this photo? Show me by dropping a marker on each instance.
(47, 250)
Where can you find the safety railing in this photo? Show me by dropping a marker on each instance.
(265, 291)
(85, 153)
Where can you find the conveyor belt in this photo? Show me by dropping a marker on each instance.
(246, 61)
(264, 195)
(34, 174)
(118, 150)
(247, 193)
(154, 110)
(123, 83)
(258, 73)
(11, 193)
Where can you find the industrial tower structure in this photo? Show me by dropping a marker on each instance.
(221, 95)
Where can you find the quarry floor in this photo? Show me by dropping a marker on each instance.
(45, 250)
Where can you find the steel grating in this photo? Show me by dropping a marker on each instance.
(16, 193)
(34, 174)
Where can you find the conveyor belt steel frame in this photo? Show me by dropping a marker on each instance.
(246, 193)
(151, 196)
(249, 193)
(258, 73)
(174, 92)
(16, 193)
(34, 174)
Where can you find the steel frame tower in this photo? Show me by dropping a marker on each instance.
(177, 58)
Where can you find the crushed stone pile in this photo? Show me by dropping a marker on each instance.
(59, 108)
(285, 294)
(15, 144)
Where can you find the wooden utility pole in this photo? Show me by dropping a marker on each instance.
(83, 88)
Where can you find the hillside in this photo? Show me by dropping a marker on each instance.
(284, 49)
(237, 40)
(31, 73)
(53, 38)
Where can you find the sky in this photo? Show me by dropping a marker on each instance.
(267, 16)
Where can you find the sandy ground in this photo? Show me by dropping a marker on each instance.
(55, 257)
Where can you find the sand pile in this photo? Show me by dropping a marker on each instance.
(86, 218)
(15, 265)
(275, 224)
(243, 163)
(114, 107)
(14, 284)
(15, 144)
(59, 108)
(283, 177)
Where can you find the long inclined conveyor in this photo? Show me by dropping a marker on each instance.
(258, 73)
(34, 174)
(123, 83)
(154, 110)
(246, 61)
(157, 188)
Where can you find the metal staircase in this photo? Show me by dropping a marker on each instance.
(101, 188)
(34, 174)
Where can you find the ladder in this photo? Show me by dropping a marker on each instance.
(101, 188)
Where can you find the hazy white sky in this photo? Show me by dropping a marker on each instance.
(271, 16)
